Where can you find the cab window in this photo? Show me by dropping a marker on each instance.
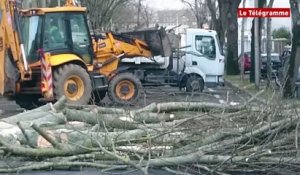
(205, 45)
(80, 37)
(55, 32)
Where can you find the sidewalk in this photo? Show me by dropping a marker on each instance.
(263, 94)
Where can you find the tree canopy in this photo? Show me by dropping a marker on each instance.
(282, 32)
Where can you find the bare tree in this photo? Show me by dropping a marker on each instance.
(127, 17)
(216, 20)
(33, 3)
(144, 15)
(147, 16)
(228, 14)
(102, 11)
(261, 4)
(293, 64)
(200, 10)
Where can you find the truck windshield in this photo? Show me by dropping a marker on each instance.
(30, 27)
(205, 45)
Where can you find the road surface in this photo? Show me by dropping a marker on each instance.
(222, 95)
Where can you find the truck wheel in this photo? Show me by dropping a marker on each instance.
(124, 88)
(74, 83)
(194, 83)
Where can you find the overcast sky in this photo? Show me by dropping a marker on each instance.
(164, 4)
(177, 4)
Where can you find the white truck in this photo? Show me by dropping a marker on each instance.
(197, 61)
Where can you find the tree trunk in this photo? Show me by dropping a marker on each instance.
(222, 22)
(252, 68)
(230, 6)
(269, 44)
(291, 75)
(261, 4)
(216, 22)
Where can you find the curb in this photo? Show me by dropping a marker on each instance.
(238, 89)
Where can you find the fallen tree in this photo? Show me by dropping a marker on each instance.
(194, 137)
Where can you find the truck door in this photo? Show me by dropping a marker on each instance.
(203, 57)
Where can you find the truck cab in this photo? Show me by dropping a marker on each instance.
(203, 57)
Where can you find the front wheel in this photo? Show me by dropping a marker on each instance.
(124, 88)
(73, 82)
(194, 84)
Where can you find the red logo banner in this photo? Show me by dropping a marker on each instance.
(264, 12)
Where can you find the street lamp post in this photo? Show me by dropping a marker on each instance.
(256, 48)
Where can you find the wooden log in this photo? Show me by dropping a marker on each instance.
(97, 109)
(60, 165)
(95, 118)
(187, 106)
(60, 104)
(29, 115)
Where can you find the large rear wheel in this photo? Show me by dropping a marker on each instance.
(73, 82)
(124, 88)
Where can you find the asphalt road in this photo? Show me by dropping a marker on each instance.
(222, 95)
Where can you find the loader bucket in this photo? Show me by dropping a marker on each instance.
(156, 39)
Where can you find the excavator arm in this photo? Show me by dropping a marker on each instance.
(113, 47)
(11, 44)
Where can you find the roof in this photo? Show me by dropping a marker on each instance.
(197, 30)
(41, 11)
(272, 54)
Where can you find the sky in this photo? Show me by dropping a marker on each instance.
(164, 4)
(177, 4)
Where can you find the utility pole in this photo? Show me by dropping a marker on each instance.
(269, 45)
(256, 49)
(242, 61)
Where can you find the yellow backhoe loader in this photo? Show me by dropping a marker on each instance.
(46, 53)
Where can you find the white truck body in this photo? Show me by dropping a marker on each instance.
(202, 56)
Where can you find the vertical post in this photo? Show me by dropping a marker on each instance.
(46, 75)
(257, 49)
(242, 59)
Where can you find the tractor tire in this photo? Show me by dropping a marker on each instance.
(194, 84)
(73, 82)
(28, 101)
(124, 89)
